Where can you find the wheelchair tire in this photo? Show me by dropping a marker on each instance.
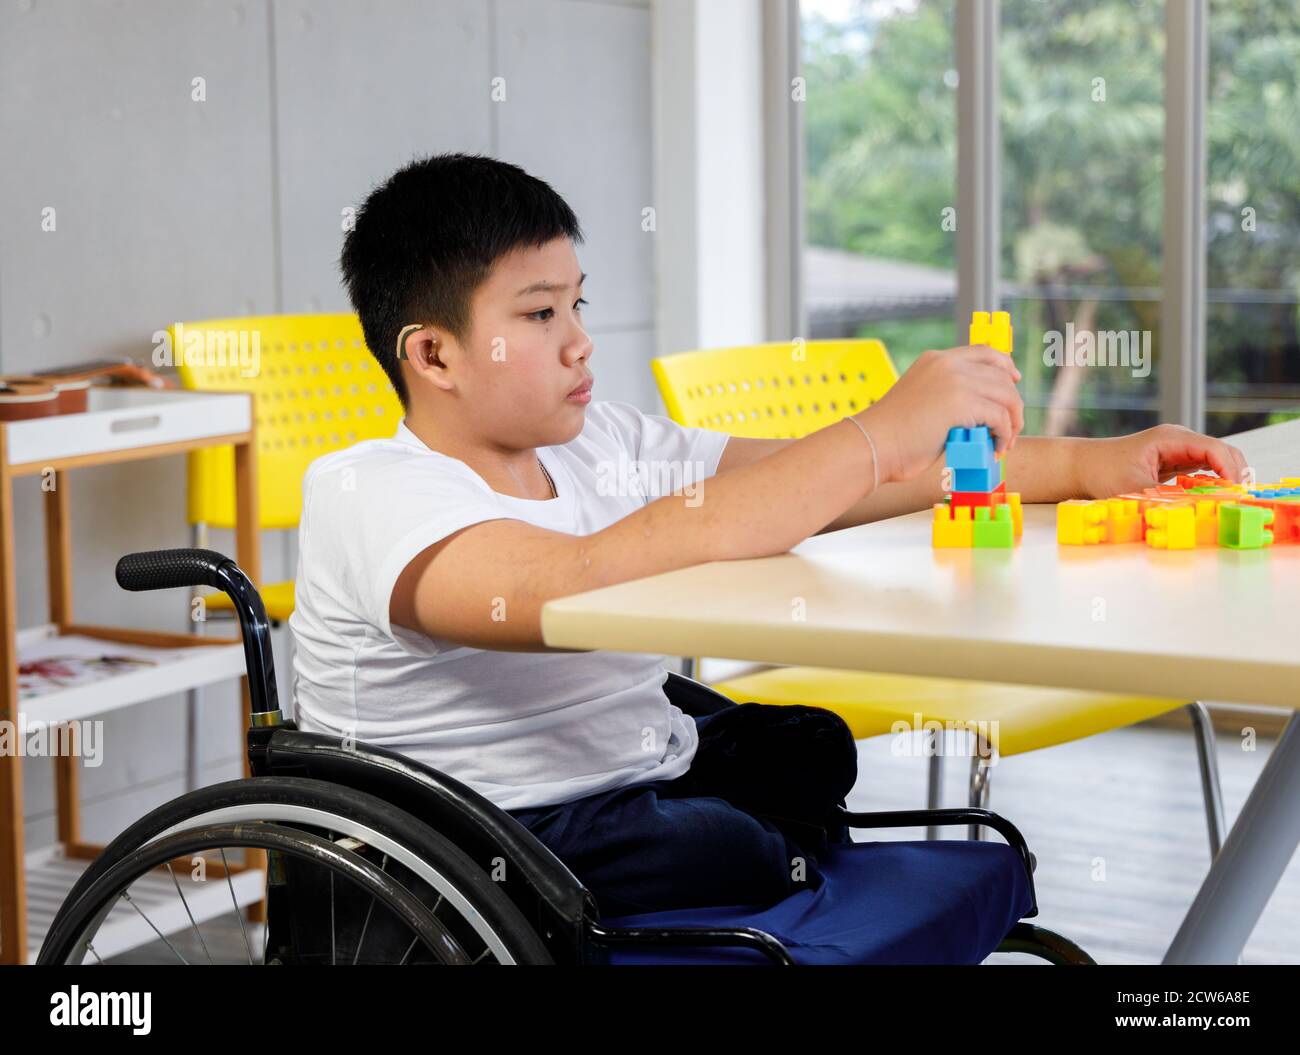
(441, 867)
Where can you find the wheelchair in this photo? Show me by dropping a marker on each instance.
(361, 855)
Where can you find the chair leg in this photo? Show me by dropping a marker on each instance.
(1203, 728)
(981, 773)
(688, 667)
(935, 744)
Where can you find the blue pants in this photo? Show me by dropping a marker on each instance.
(743, 826)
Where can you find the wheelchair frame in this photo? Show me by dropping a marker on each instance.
(563, 912)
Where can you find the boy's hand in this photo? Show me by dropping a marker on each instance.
(942, 390)
(1108, 467)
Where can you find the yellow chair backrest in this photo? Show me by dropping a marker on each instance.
(772, 391)
(316, 388)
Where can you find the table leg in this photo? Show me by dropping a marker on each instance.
(1250, 865)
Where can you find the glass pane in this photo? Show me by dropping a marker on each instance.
(1082, 144)
(1253, 214)
(879, 187)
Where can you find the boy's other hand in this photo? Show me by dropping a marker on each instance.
(954, 388)
(1108, 467)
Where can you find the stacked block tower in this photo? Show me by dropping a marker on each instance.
(977, 512)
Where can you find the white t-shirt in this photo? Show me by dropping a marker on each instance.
(521, 728)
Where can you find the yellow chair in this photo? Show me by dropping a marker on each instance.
(316, 388)
(789, 390)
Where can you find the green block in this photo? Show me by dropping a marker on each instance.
(993, 532)
(1244, 527)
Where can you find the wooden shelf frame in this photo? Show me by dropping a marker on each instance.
(13, 900)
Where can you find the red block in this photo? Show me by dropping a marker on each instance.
(996, 497)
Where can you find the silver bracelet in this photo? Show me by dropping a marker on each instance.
(875, 460)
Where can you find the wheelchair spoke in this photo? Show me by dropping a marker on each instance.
(334, 959)
(127, 897)
(408, 951)
(194, 926)
(90, 948)
(383, 867)
(239, 915)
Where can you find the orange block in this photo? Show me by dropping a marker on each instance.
(1207, 522)
(1124, 521)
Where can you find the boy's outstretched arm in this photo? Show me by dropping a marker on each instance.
(485, 585)
(1053, 469)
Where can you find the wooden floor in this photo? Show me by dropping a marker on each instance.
(1116, 822)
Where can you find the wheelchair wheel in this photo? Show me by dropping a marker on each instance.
(324, 905)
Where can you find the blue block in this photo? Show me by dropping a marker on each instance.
(977, 479)
(969, 449)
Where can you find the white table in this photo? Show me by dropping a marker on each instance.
(1206, 624)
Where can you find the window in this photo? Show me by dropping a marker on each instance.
(1252, 216)
(880, 146)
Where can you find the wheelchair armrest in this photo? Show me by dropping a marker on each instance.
(693, 697)
(945, 818)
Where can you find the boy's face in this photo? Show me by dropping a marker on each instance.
(527, 349)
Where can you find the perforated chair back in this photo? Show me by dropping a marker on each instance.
(772, 391)
(316, 388)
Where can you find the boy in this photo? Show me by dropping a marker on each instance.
(425, 559)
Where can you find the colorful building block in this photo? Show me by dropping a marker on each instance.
(978, 479)
(1286, 517)
(1017, 514)
(1080, 522)
(993, 528)
(993, 330)
(1207, 522)
(1202, 480)
(1244, 527)
(996, 497)
(952, 528)
(1124, 521)
(969, 448)
(1171, 526)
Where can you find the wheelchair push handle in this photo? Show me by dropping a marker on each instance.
(165, 569)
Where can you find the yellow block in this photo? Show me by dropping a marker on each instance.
(1080, 522)
(953, 528)
(1017, 514)
(993, 330)
(1172, 526)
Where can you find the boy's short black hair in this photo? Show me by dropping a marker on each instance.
(425, 240)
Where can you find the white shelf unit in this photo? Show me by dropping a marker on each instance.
(119, 425)
(192, 668)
